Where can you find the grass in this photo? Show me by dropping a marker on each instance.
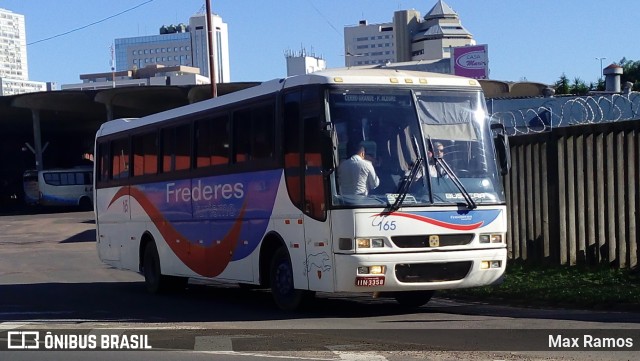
(571, 287)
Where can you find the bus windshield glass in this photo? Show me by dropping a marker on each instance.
(445, 131)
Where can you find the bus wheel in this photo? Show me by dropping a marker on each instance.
(153, 279)
(86, 204)
(285, 296)
(413, 299)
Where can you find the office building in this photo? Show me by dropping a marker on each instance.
(14, 73)
(179, 45)
(13, 46)
(408, 37)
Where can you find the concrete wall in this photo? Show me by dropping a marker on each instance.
(573, 195)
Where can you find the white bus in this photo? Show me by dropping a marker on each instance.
(244, 188)
(59, 187)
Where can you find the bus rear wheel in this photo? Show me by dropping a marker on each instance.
(154, 280)
(284, 294)
(413, 299)
(86, 204)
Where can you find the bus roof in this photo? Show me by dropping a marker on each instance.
(381, 76)
(351, 76)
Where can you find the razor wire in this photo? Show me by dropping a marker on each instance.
(537, 115)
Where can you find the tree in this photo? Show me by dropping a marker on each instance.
(562, 85)
(579, 87)
(631, 72)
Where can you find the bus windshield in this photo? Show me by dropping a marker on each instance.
(444, 132)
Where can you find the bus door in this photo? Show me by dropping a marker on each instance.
(303, 111)
(317, 230)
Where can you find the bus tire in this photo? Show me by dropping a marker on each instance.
(284, 294)
(85, 204)
(154, 281)
(413, 299)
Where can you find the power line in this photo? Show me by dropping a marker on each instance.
(325, 18)
(88, 25)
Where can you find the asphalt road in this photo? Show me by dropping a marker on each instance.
(52, 281)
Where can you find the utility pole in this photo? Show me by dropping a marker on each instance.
(113, 67)
(601, 69)
(212, 73)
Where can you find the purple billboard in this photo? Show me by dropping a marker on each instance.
(470, 61)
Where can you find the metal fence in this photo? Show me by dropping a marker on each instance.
(573, 195)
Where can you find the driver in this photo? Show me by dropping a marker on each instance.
(356, 174)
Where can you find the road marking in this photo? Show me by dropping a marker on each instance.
(343, 351)
(262, 355)
(213, 343)
(5, 326)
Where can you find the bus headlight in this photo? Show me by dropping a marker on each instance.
(370, 242)
(490, 264)
(491, 238)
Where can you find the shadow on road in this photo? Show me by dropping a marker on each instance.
(129, 302)
(85, 236)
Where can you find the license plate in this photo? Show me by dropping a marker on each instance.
(370, 281)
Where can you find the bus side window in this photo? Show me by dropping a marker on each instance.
(176, 148)
(292, 148)
(212, 142)
(145, 154)
(263, 139)
(253, 133)
(120, 158)
(103, 162)
(241, 135)
(314, 189)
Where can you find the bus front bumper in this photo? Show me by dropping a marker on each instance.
(392, 272)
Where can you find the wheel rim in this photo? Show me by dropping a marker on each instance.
(284, 278)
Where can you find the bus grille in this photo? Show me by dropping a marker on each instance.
(422, 241)
(432, 272)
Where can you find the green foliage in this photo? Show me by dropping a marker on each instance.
(578, 87)
(631, 72)
(562, 85)
(574, 287)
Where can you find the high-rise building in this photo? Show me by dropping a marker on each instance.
(14, 72)
(178, 45)
(13, 46)
(407, 38)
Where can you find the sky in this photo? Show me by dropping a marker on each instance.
(533, 40)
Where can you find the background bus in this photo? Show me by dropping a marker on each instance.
(59, 187)
(244, 188)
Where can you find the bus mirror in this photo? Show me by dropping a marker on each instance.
(501, 140)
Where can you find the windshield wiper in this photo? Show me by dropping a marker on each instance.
(454, 178)
(471, 204)
(405, 185)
